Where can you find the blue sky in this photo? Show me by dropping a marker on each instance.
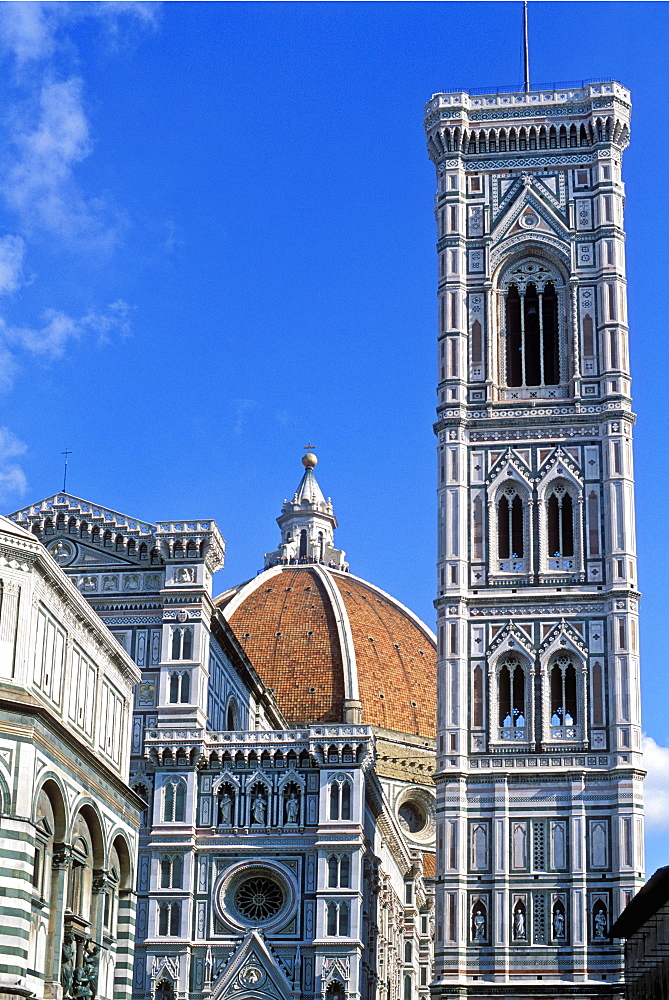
(217, 243)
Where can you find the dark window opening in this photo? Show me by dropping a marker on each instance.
(511, 695)
(510, 527)
(560, 524)
(532, 336)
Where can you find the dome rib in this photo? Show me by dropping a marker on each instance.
(346, 644)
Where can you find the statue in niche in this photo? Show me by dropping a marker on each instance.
(67, 963)
(479, 924)
(110, 583)
(292, 808)
(558, 923)
(600, 924)
(259, 810)
(519, 932)
(225, 809)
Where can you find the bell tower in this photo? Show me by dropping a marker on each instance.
(540, 829)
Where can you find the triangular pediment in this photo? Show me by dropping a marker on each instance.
(560, 463)
(71, 552)
(530, 212)
(563, 637)
(252, 971)
(70, 506)
(509, 466)
(511, 638)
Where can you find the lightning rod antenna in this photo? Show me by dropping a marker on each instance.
(526, 49)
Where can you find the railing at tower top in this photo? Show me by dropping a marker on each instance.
(519, 88)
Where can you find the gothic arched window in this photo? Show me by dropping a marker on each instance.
(510, 525)
(531, 316)
(169, 919)
(174, 802)
(171, 871)
(180, 687)
(560, 514)
(182, 643)
(511, 699)
(564, 701)
(340, 800)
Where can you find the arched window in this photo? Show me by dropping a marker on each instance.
(560, 516)
(511, 699)
(331, 919)
(333, 871)
(174, 802)
(339, 871)
(408, 953)
(165, 990)
(303, 544)
(182, 644)
(169, 919)
(334, 800)
(346, 800)
(340, 800)
(171, 871)
(180, 687)
(232, 716)
(191, 549)
(344, 919)
(564, 705)
(532, 325)
(510, 525)
(119, 543)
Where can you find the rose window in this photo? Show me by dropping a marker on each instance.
(259, 898)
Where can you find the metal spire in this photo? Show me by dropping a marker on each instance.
(67, 454)
(526, 49)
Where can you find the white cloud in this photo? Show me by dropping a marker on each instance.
(39, 184)
(47, 128)
(57, 330)
(656, 785)
(27, 30)
(32, 32)
(12, 477)
(12, 252)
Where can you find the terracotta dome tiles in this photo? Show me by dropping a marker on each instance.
(288, 628)
(288, 631)
(396, 661)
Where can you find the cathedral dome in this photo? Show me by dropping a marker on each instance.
(335, 648)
